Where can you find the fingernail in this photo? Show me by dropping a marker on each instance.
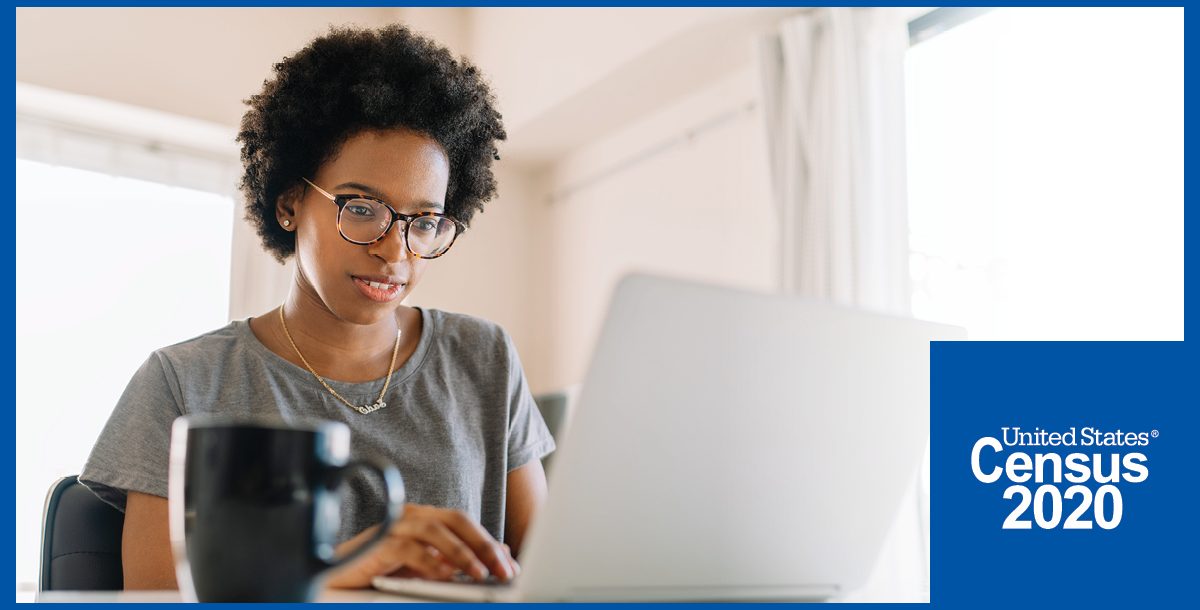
(481, 571)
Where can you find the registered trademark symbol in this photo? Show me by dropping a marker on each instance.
(1154, 434)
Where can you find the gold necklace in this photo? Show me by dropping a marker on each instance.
(364, 409)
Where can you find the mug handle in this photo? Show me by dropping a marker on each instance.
(393, 488)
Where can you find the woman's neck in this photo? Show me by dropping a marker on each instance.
(336, 348)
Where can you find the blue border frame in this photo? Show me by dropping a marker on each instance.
(1176, 351)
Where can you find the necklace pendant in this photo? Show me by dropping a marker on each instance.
(366, 409)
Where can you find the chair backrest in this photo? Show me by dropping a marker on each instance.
(81, 540)
(553, 407)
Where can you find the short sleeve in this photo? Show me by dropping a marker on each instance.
(528, 437)
(132, 453)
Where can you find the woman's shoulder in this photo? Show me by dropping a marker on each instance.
(461, 330)
(210, 347)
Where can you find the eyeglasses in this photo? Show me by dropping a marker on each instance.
(364, 220)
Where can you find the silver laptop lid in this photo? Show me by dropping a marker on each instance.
(731, 445)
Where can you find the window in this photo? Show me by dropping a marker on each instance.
(1045, 164)
(108, 269)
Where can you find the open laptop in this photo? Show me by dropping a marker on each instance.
(727, 445)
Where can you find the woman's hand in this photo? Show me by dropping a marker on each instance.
(427, 542)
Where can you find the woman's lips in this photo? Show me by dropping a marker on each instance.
(380, 292)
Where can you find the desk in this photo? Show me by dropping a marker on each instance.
(127, 597)
(328, 596)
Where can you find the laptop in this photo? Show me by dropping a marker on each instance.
(726, 446)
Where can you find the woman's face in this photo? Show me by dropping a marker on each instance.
(407, 170)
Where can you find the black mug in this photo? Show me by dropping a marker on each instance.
(254, 506)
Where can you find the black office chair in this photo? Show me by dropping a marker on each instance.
(81, 541)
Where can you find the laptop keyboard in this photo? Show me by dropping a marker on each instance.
(490, 581)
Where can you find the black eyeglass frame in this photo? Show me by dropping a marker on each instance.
(341, 200)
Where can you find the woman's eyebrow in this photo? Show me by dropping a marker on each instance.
(367, 190)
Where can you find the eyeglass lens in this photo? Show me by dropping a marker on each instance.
(364, 221)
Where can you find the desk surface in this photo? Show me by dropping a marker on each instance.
(329, 596)
(335, 596)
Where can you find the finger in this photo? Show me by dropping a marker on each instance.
(450, 547)
(516, 567)
(490, 552)
(404, 572)
(379, 559)
(447, 563)
(426, 562)
(404, 554)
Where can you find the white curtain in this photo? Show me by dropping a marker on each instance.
(833, 83)
(833, 105)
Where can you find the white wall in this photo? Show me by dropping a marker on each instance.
(539, 57)
(699, 208)
(196, 62)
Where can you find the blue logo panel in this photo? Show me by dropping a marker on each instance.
(1082, 490)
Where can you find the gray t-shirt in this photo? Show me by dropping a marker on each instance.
(459, 416)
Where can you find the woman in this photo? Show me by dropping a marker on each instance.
(365, 156)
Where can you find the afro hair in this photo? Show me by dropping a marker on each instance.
(351, 80)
